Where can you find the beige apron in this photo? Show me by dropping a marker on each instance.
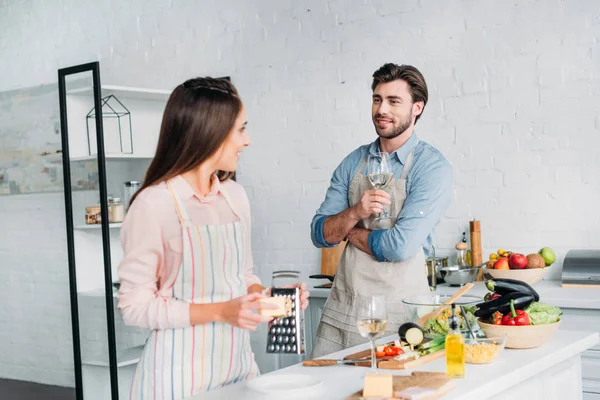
(360, 275)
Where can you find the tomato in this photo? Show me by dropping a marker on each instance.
(380, 354)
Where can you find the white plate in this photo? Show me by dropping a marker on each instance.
(284, 383)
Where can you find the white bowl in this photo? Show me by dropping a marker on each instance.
(521, 337)
(529, 276)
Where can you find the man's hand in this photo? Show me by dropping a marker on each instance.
(359, 237)
(372, 201)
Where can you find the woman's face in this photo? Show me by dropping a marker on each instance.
(234, 144)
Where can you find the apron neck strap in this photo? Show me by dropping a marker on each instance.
(182, 212)
(408, 162)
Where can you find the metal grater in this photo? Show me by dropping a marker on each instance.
(286, 334)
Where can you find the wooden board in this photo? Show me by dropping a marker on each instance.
(390, 363)
(437, 381)
(330, 257)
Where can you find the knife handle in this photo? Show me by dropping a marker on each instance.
(318, 363)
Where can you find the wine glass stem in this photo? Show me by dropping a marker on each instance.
(373, 356)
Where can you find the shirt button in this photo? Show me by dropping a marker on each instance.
(421, 212)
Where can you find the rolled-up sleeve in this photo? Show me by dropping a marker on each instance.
(425, 205)
(139, 298)
(336, 199)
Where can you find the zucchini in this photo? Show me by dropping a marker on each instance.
(502, 304)
(506, 286)
(411, 333)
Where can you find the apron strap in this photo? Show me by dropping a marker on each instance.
(182, 212)
(408, 163)
(227, 197)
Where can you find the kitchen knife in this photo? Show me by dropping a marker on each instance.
(325, 363)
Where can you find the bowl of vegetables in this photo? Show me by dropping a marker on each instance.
(483, 350)
(514, 310)
(417, 306)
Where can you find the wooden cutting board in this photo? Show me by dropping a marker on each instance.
(390, 363)
(330, 257)
(437, 381)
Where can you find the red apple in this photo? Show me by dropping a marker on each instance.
(502, 263)
(517, 261)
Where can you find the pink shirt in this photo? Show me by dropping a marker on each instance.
(152, 245)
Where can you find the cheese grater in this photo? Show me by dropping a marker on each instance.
(286, 333)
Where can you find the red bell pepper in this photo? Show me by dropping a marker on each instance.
(515, 317)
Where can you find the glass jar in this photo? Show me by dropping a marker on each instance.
(130, 188)
(116, 210)
(93, 215)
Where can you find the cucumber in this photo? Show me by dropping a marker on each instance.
(506, 286)
(502, 304)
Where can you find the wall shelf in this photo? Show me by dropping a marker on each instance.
(97, 226)
(109, 157)
(125, 92)
(126, 357)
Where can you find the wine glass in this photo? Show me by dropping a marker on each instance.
(379, 172)
(371, 320)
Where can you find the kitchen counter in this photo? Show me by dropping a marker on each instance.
(552, 371)
(550, 292)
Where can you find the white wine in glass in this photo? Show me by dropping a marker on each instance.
(380, 175)
(371, 320)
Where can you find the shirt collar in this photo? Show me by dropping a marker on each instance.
(404, 150)
(185, 191)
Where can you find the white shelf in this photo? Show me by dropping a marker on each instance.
(97, 226)
(111, 157)
(99, 292)
(126, 357)
(125, 92)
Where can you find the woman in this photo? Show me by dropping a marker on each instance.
(187, 267)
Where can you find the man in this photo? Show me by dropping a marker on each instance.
(382, 255)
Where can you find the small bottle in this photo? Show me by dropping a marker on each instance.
(455, 348)
(461, 252)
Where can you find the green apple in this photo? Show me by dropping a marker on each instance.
(548, 255)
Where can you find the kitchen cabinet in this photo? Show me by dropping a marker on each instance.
(589, 320)
(315, 310)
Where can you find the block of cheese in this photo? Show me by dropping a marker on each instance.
(378, 385)
(280, 311)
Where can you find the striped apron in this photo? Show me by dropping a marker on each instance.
(179, 363)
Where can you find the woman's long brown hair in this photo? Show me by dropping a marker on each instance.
(198, 117)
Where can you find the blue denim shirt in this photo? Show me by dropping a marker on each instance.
(429, 193)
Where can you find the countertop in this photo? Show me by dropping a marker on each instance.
(481, 381)
(550, 292)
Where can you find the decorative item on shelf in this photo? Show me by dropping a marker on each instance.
(130, 188)
(92, 215)
(116, 210)
(116, 121)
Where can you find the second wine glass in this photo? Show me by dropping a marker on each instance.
(371, 320)
(380, 175)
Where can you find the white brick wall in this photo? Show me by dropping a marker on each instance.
(514, 95)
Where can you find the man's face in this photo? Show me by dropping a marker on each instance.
(393, 110)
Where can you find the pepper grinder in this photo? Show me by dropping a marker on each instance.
(476, 246)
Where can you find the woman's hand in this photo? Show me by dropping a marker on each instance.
(303, 294)
(239, 312)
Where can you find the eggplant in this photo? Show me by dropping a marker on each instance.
(411, 333)
(506, 286)
(502, 304)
